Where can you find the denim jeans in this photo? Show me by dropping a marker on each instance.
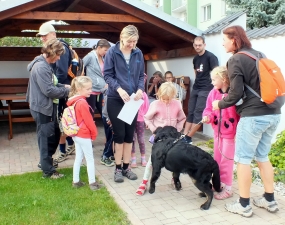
(253, 138)
(108, 150)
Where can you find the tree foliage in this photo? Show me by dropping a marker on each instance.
(260, 13)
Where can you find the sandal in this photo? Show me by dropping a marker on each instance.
(141, 190)
(223, 195)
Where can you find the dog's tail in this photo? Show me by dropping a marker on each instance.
(216, 180)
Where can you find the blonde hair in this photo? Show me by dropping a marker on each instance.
(166, 89)
(128, 32)
(78, 83)
(53, 48)
(222, 72)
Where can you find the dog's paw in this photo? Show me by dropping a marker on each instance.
(205, 206)
(202, 194)
(151, 190)
(178, 186)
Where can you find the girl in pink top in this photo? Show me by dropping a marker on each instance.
(166, 111)
(139, 130)
(224, 123)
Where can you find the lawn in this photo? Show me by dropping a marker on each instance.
(31, 199)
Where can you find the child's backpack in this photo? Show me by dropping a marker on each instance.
(272, 84)
(76, 67)
(68, 120)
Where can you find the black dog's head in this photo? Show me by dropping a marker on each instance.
(162, 133)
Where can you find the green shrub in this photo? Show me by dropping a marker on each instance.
(277, 157)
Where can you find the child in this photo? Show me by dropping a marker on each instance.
(166, 111)
(139, 130)
(81, 88)
(224, 123)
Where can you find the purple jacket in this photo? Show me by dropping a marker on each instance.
(117, 73)
(229, 117)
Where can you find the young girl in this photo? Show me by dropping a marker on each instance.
(139, 130)
(224, 123)
(81, 88)
(166, 111)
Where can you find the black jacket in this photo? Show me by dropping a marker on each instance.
(242, 69)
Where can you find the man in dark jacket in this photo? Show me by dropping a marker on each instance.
(60, 68)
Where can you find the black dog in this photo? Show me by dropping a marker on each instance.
(179, 157)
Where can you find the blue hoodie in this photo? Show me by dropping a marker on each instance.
(117, 73)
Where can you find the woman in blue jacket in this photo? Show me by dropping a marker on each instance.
(124, 74)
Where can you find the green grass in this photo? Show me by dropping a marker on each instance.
(31, 199)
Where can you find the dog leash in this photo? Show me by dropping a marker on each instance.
(219, 132)
(183, 135)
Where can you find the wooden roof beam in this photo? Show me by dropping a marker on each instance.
(151, 19)
(71, 16)
(96, 28)
(25, 7)
(182, 52)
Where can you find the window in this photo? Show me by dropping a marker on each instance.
(206, 12)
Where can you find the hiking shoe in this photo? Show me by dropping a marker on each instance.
(187, 139)
(60, 158)
(236, 207)
(261, 202)
(107, 162)
(118, 177)
(70, 149)
(54, 175)
(55, 165)
(96, 186)
(78, 184)
(129, 174)
(112, 158)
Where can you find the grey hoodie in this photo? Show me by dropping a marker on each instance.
(41, 90)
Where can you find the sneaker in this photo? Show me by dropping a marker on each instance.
(55, 175)
(118, 177)
(144, 162)
(187, 139)
(261, 202)
(129, 174)
(60, 158)
(96, 186)
(55, 165)
(223, 194)
(70, 149)
(78, 184)
(236, 207)
(112, 158)
(107, 162)
(134, 163)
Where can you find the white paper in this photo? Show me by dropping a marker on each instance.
(130, 110)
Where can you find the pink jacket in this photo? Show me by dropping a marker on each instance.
(161, 114)
(229, 116)
(144, 108)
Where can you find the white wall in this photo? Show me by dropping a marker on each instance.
(14, 69)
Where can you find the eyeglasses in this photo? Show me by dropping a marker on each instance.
(197, 45)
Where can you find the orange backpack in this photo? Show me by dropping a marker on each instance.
(272, 83)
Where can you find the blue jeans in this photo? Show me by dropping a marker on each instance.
(253, 138)
(108, 150)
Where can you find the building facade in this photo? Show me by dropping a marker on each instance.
(198, 13)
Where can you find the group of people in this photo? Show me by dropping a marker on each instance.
(242, 132)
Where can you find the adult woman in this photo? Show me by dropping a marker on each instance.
(181, 90)
(124, 74)
(40, 95)
(94, 63)
(257, 124)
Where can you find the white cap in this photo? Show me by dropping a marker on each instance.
(45, 28)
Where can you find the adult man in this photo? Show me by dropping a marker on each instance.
(203, 63)
(60, 68)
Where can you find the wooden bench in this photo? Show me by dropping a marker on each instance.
(13, 91)
(187, 83)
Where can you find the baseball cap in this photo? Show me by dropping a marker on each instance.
(45, 28)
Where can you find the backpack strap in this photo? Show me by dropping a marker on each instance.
(256, 58)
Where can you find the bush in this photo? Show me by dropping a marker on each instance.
(277, 157)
